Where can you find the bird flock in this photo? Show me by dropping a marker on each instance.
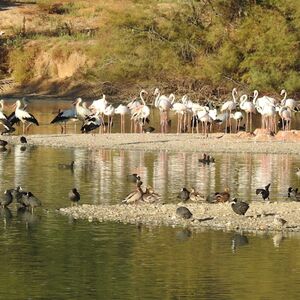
(233, 115)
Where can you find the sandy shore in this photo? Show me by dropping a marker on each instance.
(283, 142)
(259, 217)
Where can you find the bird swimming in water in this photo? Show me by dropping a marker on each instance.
(7, 198)
(74, 196)
(184, 212)
(264, 192)
(239, 207)
(31, 201)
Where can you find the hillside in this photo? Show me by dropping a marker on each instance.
(116, 47)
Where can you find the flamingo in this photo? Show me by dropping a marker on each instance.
(99, 105)
(180, 109)
(164, 104)
(205, 119)
(289, 103)
(268, 113)
(133, 105)
(63, 117)
(122, 110)
(238, 117)
(141, 113)
(24, 116)
(3, 119)
(229, 106)
(109, 112)
(249, 108)
(285, 114)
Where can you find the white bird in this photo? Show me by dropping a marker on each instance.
(205, 119)
(63, 117)
(122, 110)
(268, 113)
(98, 106)
(81, 110)
(285, 114)
(238, 117)
(229, 106)
(249, 109)
(164, 104)
(180, 109)
(133, 105)
(140, 113)
(109, 112)
(3, 119)
(290, 103)
(24, 116)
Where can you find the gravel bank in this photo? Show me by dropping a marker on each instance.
(217, 142)
(259, 217)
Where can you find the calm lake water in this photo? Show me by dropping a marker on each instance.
(49, 256)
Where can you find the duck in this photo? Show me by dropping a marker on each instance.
(133, 177)
(7, 198)
(195, 196)
(223, 196)
(136, 195)
(74, 196)
(184, 195)
(149, 196)
(31, 201)
(239, 207)
(264, 192)
(184, 212)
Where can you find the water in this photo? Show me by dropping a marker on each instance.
(49, 256)
(46, 110)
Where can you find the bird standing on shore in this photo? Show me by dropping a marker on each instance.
(184, 195)
(264, 192)
(239, 207)
(24, 116)
(74, 196)
(184, 212)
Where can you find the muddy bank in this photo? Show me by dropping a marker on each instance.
(218, 142)
(259, 217)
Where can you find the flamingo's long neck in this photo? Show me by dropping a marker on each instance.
(255, 95)
(142, 98)
(233, 95)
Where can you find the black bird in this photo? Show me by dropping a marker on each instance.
(184, 194)
(133, 177)
(31, 201)
(239, 207)
(67, 166)
(23, 140)
(6, 199)
(264, 192)
(18, 194)
(74, 196)
(293, 193)
(184, 212)
(148, 129)
(3, 143)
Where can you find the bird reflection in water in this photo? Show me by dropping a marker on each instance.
(184, 234)
(277, 239)
(5, 215)
(27, 217)
(238, 240)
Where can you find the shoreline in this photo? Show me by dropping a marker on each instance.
(259, 217)
(282, 143)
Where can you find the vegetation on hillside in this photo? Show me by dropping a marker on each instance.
(204, 46)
